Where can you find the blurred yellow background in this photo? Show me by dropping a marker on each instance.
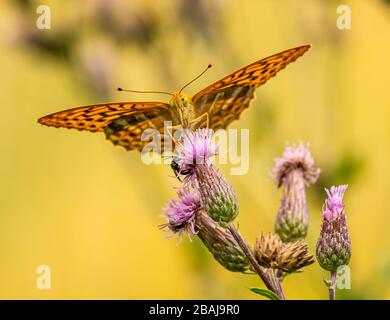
(90, 211)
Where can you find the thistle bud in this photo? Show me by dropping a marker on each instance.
(334, 244)
(220, 242)
(294, 172)
(266, 250)
(218, 198)
(293, 256)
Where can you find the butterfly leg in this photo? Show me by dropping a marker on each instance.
(206, 114)
(169, 128)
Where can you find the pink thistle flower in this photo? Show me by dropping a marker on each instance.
(181, 212)
(334, 203)
(296, 157)
(195, 148)
(198, 147)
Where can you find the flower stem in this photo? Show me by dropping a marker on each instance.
(332, 287)
(266, 275)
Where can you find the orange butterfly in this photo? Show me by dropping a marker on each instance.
(215, 106)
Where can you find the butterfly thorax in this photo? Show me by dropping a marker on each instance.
(182, 109)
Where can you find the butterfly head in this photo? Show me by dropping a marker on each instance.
(180, 100)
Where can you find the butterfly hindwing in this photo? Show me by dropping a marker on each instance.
(131, 131)
(225, 99)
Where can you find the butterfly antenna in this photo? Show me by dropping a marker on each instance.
(196, 78)
(138, 91)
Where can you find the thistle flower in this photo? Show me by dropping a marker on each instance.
(185, 214)
(334, 244)
(266, 250)
(271, 252)
(180, 212)
(294, 171)
(218, 198)
(220, 242)
(198, 147)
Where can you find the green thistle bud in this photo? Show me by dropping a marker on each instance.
(334, 244)
(292, 220)
(218, 198)
(220, 242)
(294, 171)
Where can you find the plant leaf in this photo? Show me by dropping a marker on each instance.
(327, 282)
(265, 293)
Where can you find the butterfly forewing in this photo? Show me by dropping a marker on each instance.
(224, 106)
(122, 122)
(225, 99)
(97, 117)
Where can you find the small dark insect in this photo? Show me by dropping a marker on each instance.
(176, 227)
(178, 171)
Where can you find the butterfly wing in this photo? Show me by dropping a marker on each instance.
(141, 129)
(123, 123)
(96, 117)
(225, 99)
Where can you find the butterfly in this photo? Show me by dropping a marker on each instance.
(216, 106)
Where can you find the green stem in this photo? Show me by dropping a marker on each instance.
(332, 287)
(266, 275)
